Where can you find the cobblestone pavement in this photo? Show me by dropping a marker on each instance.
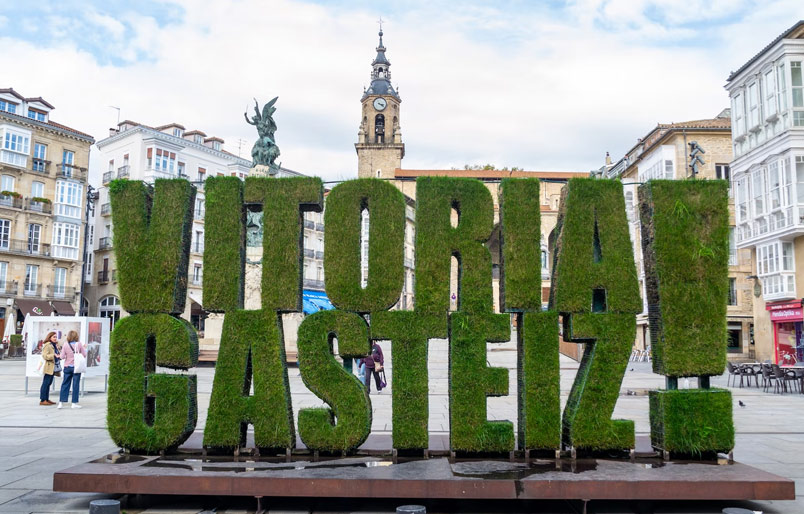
(37, 441)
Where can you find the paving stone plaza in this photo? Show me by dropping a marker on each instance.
(36, 441)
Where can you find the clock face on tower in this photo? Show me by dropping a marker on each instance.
(380, 103)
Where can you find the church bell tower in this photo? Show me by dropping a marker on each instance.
(379, 141)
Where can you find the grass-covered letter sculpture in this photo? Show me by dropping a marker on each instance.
(594, 290)
(685, 234)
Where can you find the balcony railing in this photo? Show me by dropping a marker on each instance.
(23, 247)
(309, 253)
(114, 275)
(197, 247)
(103, 277)
(197, 280)
(104, 243)
(309, 224)
(319, 227)
(319, 254)
(8, 288)
(123, 171)
(108, 177)
(11, 201)
(40, 166)
(199, 214)
(106, 209)
(70, 171)
(408, 263)
(56, 291)
(32, 289)
(43, 207)
(310, 283)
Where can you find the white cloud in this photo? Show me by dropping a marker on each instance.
(478, 85)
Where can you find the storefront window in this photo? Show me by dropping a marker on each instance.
(788, 343)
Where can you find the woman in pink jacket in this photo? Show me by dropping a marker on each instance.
(70, 378)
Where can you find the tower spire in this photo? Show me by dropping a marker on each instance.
(380, 71)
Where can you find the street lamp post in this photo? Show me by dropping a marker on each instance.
(92, 196)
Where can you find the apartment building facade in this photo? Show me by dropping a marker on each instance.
(43, 177)
(140, 152)
(767, 95)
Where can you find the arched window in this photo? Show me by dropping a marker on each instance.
(109, 307)
(379, 129)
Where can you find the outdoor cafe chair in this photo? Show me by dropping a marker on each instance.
(768, 377)
(734, 372)
(783, 377)
(748, 370)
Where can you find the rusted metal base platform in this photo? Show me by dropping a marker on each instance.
(373, 477)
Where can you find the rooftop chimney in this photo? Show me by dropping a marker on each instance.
(608, 159)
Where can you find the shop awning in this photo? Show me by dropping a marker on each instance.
(34, 307)
(63, 308)
(314, 301)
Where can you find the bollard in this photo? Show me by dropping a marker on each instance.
(411, 509)
(104, 507)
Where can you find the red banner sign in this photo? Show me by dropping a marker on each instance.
(796, 314)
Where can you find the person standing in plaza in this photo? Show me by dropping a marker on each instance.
(368, 364)
(379, 365)
(374, 366)
(72, 351)
(50, 354)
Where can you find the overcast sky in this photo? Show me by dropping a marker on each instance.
(543, 86)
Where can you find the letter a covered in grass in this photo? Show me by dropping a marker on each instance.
(595, 288)
(251, 346)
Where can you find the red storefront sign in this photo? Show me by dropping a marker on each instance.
(787, 315)
(786, 311)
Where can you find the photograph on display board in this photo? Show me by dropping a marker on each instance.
(92, 332)
(37, 329)
(94, 343)
(96, 337)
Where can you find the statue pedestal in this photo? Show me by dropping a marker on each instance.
(261, 170)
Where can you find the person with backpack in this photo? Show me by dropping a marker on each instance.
(74, 355)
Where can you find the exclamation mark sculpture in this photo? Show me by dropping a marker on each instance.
(685, 230)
